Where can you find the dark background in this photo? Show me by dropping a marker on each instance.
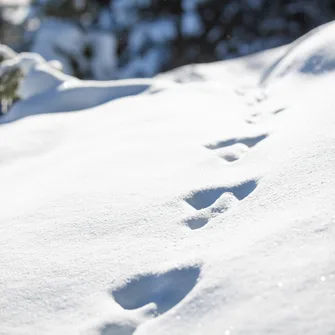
(187, 31)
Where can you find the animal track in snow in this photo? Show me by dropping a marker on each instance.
(248, 141)
(252, 95)
(115, 329)
(207, 197)
(211, 202)
(224, 202)
(233, 149)
(233, 152)
(279, 110)
(164, 290)
(256, 117)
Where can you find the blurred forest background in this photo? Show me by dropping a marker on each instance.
(111, 39)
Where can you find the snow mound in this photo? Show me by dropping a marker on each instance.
(155, 207)
(42, 81)
(312, 54)
(6, 53)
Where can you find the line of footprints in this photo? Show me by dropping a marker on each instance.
(151, 295)
(211, 202)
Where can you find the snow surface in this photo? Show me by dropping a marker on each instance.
(6, 52)
(202, 205)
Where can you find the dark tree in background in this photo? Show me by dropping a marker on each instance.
(209, 30)
(158, 35)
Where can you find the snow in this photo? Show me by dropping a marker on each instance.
(67, 44)
(202, 203)
(191, 24)
(104, 58)
(159, 32)
(124, 14)
(313, 53)
(162, 30)
(14, 13)
(39, 75)
(105, 20)
(6, 52)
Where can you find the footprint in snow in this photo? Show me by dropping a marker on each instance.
(234, 149)
(203, 216)
(117, 329)
(160, 292)
(257, 116)
(251, 95)
(212, 202)
(278, 110)
(151, 295)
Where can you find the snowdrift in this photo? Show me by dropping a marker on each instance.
(202, 202)
(312, 54)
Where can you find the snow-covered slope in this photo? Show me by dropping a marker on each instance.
(199, 207)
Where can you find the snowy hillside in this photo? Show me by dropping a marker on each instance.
(197, 202)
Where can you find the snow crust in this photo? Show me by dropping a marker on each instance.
(201, 204)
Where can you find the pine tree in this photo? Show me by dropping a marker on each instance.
(9, 79)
